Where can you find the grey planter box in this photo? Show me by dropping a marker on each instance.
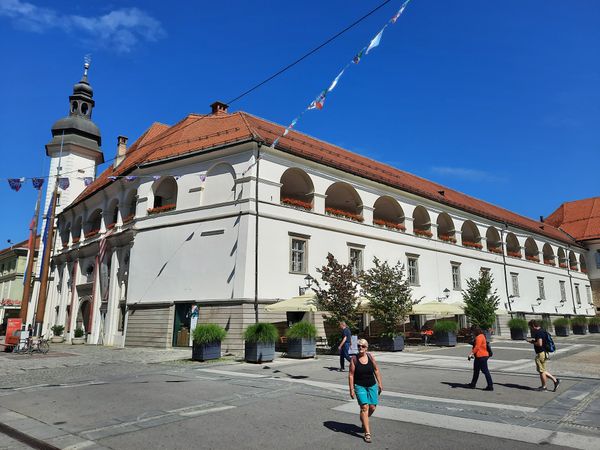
(445, 339)
(301, 348)
(561, 331)
(594, 328)
(206, 352)
(579, 329)
(259, 352)
(518, 334)
(393, 345)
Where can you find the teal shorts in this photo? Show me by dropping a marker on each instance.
(366, 395)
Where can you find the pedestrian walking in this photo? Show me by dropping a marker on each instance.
(480, 363)
(344, 346)
(541, 356)
(364, 380)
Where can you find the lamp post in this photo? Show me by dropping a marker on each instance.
(308, 281)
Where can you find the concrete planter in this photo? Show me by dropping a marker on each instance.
(561, 331)
(445, 339)
(518, 334)
(594, 328)
(78, 341)
(57, 339)
(579, 329)
(301, 348)
(395, 344)
(206, 352)
(258, 352)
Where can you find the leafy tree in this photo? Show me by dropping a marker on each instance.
(389, 294)
(338, 295)
(481, 301)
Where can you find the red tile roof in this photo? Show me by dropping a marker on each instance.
(21, 245)
(197, 133)
(580, 218)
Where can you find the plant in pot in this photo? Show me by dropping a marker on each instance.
(561, 326)
(301, 340)
(445, 332)
(57, 331)
(481, 302)
(390, 300)
(594, 324)
(207, 341)
(78, 336)
(260, 342)
(579, 324)
(518, 329)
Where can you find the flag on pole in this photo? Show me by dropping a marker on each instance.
(375, 41)
(37, 183)
(47, 226)
(32, 234)
(15, 183)
(102, 247)
(87, 180)
(63, 183)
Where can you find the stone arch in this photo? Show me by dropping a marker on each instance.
(343, 201)
(493, 240)
(297, 189)
(129, 206)
(470, 236)
(219, 186)
(76, 229)
(65, 234)
(112, 214)
(82, 319)
(165, 194)
(532, 252)
(548, 254)
(388, 213)
(93, 223)
(513, 248)
(582, 264)
(572, 260)
(421, 222)
(445, 228)
(562, 259)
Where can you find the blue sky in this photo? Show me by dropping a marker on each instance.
(498, 99)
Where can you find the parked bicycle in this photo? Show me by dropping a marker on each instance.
(33, 345)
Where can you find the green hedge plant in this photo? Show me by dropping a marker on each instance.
(302, 330)
(594, 320)
(561, 322)
(78, 332)
(57, 330)
(445, 326)
(579, 321)
(265, 333)
(518, 324)
(208, 333)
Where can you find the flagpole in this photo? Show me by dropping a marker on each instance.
(30, 259)
(45, 272)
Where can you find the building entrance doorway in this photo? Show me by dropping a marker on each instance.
(83, 315)
(181, 324)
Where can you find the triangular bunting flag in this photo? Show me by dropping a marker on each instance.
(15, 183)
(87, 181)
(375, 42)
(335, 82)
(37, 183)
(131, 178)
(63, 183)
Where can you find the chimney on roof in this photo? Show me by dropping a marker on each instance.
(542, 219)
(121, 150)
(219, 108)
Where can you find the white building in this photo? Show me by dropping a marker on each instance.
(178, 211)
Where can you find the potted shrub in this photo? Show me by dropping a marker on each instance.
(579, 324)
(481, 302)
(207, 341)
(594, 324)
(445, 332)
(518, 329)
(57, 331)
(561, 326)
(78, 336)
(260, 342)
(301, 340)
(390, 300)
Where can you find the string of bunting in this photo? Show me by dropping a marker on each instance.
(319, 102)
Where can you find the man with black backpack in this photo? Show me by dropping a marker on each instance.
(540, 345)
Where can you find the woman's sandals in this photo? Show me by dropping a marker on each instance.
(367, 437)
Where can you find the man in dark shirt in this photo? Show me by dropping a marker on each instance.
(344, 346)
(541, 356)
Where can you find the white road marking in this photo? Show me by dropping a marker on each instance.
(581, 396)
(473, 426)
(205, 411)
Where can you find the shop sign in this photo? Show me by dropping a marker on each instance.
(9, 302)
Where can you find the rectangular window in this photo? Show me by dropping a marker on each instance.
(515, 284)
(541, 290)
(456, 276)
(588, 292)
(356, 260)
(298, 256)
(413, 270)
(598, 259)
(563, 292)
(577, 295)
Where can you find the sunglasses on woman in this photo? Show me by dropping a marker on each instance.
(362, 346)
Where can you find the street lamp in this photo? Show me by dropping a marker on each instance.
(308, 281)
(446, 293)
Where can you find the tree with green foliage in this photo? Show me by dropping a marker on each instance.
(481, 301)
(389, 294)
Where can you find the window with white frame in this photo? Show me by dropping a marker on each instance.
(413, 270)
(356, 260)
(514, 277)
(577, 295)
(588, 293)
(563, 292)
(456, 276)
(298, 250)
(541, 290)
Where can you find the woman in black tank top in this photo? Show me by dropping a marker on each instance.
(364, 381)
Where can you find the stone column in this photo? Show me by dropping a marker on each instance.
(112, 313)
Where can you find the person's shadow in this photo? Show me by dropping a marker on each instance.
(332, 369)
(457, 385)
(516, 386)
(348, 428)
